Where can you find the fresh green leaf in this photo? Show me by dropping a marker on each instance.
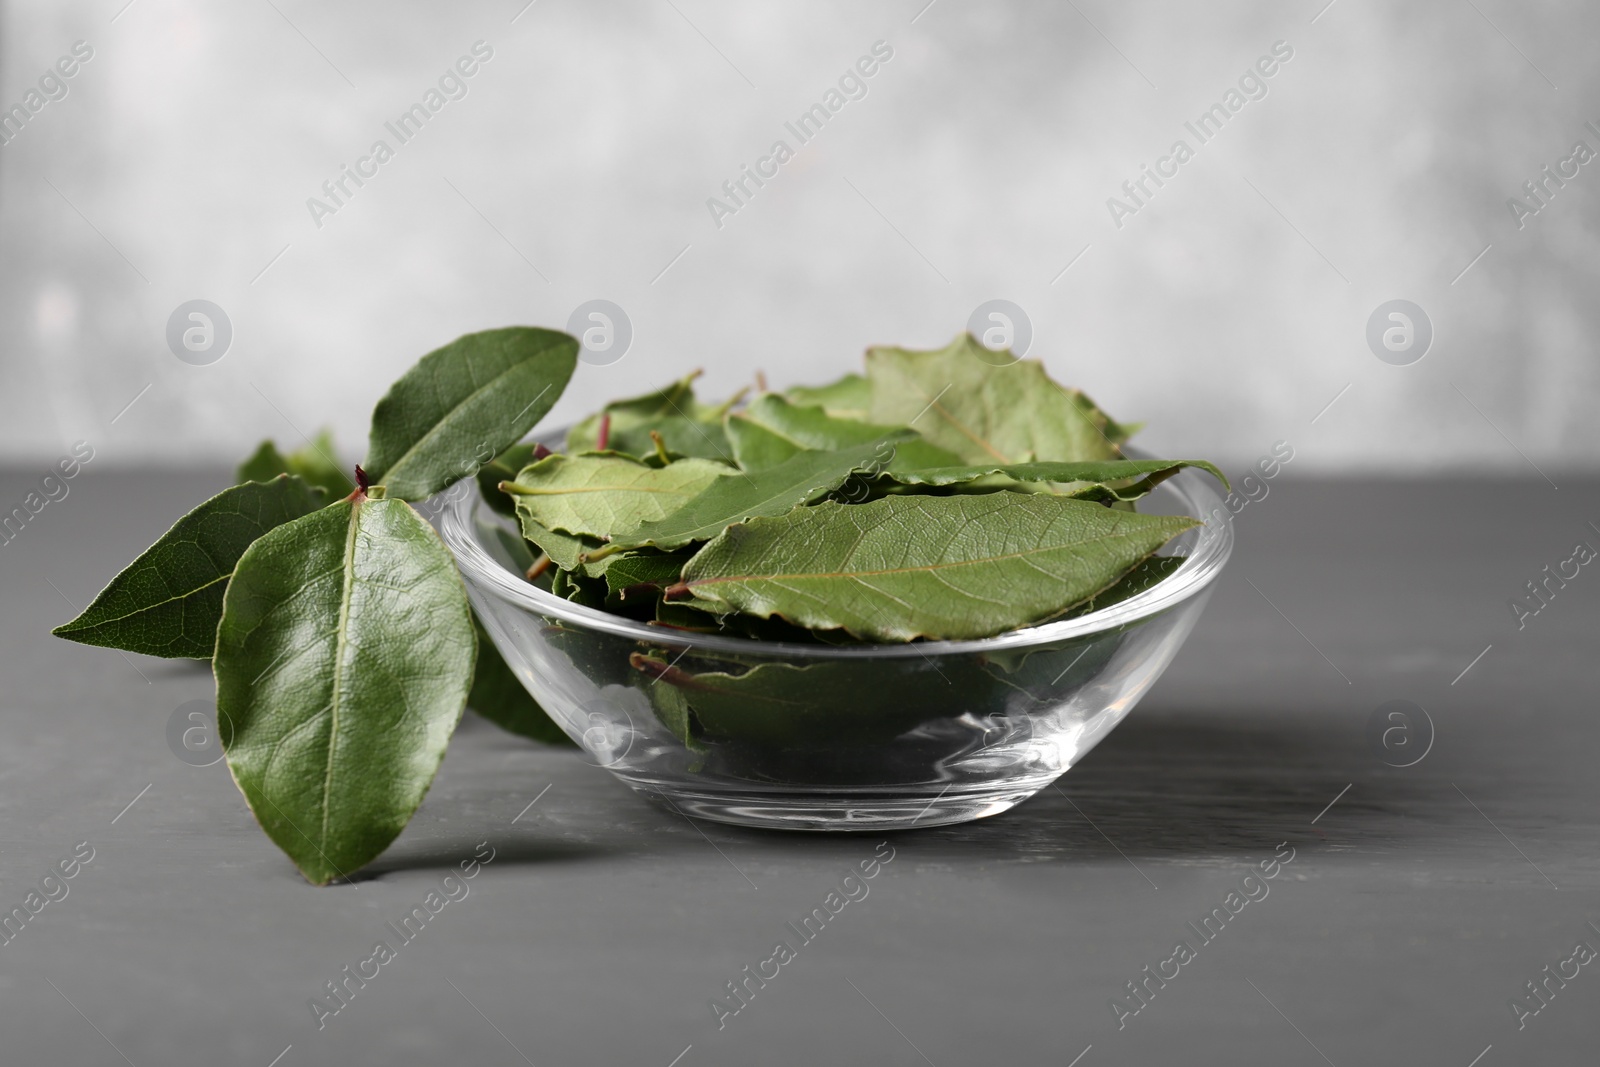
(687, 427)
(264, 464)
(564, 550)
(832, 703)
(983, 413)
(510, 550)
(638, 572)
(578, 587)
(1102, 480)
(464, 404)
(503, 468)
(1048, 672)
(316, 462)
(797, 480)
(772, 430)
(672, 711)
(168, 601)
(904, 567)
(849, 397)
(499, 696)
(1142, 577)
(607, 496)
(343, 661)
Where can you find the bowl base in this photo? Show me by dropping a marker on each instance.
(842, 811)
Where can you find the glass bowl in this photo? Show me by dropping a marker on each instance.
(819, 737)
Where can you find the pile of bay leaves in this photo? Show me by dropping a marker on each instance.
(940, 496)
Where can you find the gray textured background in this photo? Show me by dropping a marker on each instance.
(1227, 313)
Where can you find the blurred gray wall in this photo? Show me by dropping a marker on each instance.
(1226, 313)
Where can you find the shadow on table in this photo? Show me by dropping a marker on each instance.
(1195, 784)
(1200, 784)
(445, 857)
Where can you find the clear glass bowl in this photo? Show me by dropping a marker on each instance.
(867, 737)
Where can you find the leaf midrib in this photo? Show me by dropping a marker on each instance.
(340, 640)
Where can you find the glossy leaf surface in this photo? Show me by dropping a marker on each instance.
(343, 662)
(169, 600)
(464, 404)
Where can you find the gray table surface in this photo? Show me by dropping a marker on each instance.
(1416, 906)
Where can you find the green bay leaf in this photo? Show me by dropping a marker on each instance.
(1102, 480)
(903, 567)
(343, 661)
(824, 703)
(638, 574)
(169, 600)
(957, 398)
(849, 397)
(564, 550)
(608, 495)
(499, 696)
(799, 479)
(503, 468)
(316, 462)
(687, 427)
(464, 404)
(773, 429)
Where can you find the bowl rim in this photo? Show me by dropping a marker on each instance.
(1195, 489)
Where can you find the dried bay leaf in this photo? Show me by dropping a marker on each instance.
(904, 567)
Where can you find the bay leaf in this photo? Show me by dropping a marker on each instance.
(959, 400)
(511, 550)
(687, 427)
(1048, 672)
(499, 696)
(638, 574)
(503, 468)
(1145, 575)
(343, 661)
(849, 397)
(263, 465)
(829, 703)
(1102, 480)
(903, 567)
(464, 404)
(803, 477)
(772, 429)
(316, 462)
(578, 587)
(565, 550)
(607, 496)
(169, 600)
